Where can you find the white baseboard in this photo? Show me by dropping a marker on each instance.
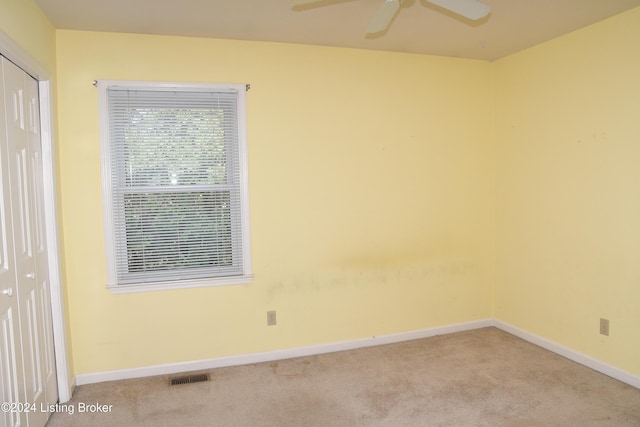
(245, 359)
(583, 359)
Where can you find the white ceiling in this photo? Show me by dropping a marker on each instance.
(419, 27)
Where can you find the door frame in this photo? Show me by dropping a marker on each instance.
(16, 54)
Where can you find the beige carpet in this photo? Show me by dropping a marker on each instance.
(483, 377)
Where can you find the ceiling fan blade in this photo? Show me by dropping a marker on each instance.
(470, 9)
(295, 3)
(383, 16)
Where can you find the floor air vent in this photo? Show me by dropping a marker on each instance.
(189, 379)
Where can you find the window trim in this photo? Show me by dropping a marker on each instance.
(109, 229)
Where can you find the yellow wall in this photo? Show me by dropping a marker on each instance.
(372, 193)
(25, 23)
(371, 188)
(568, 190)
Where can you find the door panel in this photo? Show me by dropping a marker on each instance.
(9, 361)
(20, 203)
(30, 326)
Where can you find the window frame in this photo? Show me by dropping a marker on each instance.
(108, 206)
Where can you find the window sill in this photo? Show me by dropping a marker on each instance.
(180, 284)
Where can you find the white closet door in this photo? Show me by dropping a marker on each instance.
(21, 149)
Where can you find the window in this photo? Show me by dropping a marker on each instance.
(174, 185)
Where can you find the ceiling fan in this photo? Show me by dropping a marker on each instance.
(470, 9)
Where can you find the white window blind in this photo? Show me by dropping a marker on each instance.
(175, 178)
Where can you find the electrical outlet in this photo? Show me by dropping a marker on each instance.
(271, 318)
(604, 327)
